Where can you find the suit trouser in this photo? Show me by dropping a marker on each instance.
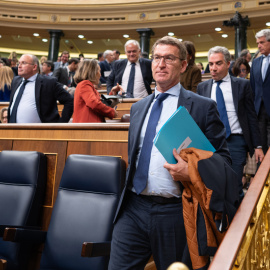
(238, 150)
(144, 228)
(264, 126)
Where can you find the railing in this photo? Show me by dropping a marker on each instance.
(246, 243)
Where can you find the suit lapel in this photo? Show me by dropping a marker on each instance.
(235, 92)
(184, 99)
(38, 85)
(123, 67)
(17, 82)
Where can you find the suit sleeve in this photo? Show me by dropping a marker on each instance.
(110, 80)
(251, 116)
(94, 103)
(57, 73)
(66, 99)
(102, 68)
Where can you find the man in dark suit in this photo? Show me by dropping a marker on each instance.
(239, 116)
(65, 75)
(106, 65)
(119, 79)
(260, 84)
(149, 219)
(34, 97)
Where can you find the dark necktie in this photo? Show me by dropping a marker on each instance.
(130, 86)
(69, 78)
(222, 109)
(141, 175)
(13, 116)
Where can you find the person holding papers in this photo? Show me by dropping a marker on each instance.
(149, 218)
(236, 109)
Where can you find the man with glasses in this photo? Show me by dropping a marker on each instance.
(149, 218)
(131, 77)
(34, 97)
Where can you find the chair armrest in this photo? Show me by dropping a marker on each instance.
(90, 249)
(2, 228)
(3, 264)
(24, 235)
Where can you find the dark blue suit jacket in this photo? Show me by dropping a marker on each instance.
(259, 87)
(204, 112)
(47, 92)
(104, 66)
(244, 106)
(118, 71)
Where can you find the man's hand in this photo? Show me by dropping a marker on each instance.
(259, 155)
(115, 113)
(118, 89)
(179, 171)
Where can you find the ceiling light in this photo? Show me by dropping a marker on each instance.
(90, 42)
(217, 29)
(268, 24)
(67, 41)
(126, 36)
(171, 34)
(36, 35)
(0, 36)
(45, 40)
(224, 35)
(180, 39)
(80, 36)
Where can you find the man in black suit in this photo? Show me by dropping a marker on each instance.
(34, 97)
(239, 116)
(118, 81)
(151, 221)
(106, 65)
(65, 75)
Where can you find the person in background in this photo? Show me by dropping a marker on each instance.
(4, 115)
(106, 65)
(6, 77)
(241, 68)
(200, 66)
(100, 57)
(192, 76)
(48, 68)
(2, 63)
(43, 59)
(64, 60)
(116, 55)
(88, 107)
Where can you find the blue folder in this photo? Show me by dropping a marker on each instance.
(180, 132)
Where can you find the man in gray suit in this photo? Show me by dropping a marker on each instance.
(149, 220)
(64, 60)
(239, 116)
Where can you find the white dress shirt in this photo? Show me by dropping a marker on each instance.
(160, 182)
(226, 88)
(27, 109)
(139, 90)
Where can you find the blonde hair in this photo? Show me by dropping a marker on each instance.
(6, 77)
(87, 70)
(43, 59)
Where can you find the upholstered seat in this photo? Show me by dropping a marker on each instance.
(23, 178)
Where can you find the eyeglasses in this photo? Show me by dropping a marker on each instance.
(169, 59)
(25, 63)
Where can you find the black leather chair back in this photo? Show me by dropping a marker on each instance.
(23, 177)
(84, 210)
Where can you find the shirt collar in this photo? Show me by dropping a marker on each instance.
(225, 79)
(129, 63)
(174, 91)
(32, 79)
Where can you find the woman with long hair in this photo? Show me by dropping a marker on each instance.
(6, 77)
(192, 75)
(88, 107)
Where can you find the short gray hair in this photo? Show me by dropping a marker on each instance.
(220, 49)
(134, 42)
(106, 53)
(263, 33)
